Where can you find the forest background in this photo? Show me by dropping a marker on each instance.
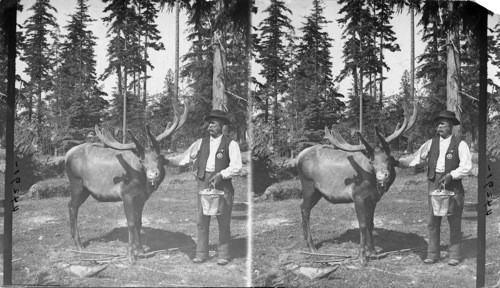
(314, 63)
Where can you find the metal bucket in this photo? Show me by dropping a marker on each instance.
(440, 199)
(210, 200)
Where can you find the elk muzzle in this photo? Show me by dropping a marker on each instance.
(382, 179)
(152, 175)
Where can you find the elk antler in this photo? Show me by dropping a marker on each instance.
(176, 125)
(339, 142)
(108, 140)
(407, 124)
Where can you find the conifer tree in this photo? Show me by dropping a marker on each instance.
(275, 32)
(359, 49)
(36, 55)
(314, 84)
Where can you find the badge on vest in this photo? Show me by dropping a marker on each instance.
(219, 154)
(449, 155)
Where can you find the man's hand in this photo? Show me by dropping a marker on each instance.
(216, 178)
(445, 179)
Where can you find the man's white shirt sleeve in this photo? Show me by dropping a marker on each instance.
(422, 153)
(234, 161)
(190, 153)
(465, 165)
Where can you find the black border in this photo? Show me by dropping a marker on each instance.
(482, 117)
(9, 14)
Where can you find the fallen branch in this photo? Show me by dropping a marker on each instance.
(152, 253)
(388, 272)
(330, 255)
(332, 260)
(103, 259)
(96, 253)
(397, 251)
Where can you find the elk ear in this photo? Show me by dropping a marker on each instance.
(139, 149)
(384, 143)
(154, 142)
(368, 151)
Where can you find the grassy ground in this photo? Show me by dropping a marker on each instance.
(400, 222)
(42, 243)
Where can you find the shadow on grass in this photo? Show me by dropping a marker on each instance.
(240, 206)
(468, 249)
(240, 218)
(237, 248)
(470, 207)
(155, 239)
(388, 240)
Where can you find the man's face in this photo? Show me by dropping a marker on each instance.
(215, 128)
(444, 128)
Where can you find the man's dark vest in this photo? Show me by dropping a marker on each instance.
(221, 157)
(451, 161)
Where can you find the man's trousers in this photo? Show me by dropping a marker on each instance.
(456, 206)
(224, 220)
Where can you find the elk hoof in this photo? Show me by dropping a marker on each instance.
(372, 252)
(79, 246)
(131, 256)
(312, 249)
(363, 261)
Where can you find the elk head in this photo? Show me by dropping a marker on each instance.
(150, 157)
(380, 158)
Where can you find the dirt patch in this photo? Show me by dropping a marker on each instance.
(400, 225)
(44, 252)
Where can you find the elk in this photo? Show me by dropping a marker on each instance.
(115, 172)
(345, 173)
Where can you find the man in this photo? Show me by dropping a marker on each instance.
(449, 160)
(218, 159)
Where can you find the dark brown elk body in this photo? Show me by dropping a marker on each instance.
(345, 173)
(118, 172)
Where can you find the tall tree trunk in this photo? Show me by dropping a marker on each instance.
(39, 111)
(453, 98)
(145, 69)
(275, 115)
(145, 80)
(119, 76)
(409, 147)
(412, 57)
(124, 128)
(360, 101)
(219, 98)
(175, 100)
(381, 69)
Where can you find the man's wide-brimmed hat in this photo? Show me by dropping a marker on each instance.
(219, 115)
(450, 115)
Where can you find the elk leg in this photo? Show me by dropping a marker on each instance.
(128, 205)
(78, 195)
(370, 211)
(361, 213)
(311, 197)
(139, 205)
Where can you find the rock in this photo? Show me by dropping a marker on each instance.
(291, 267)
(316, 273)
(85, 271)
